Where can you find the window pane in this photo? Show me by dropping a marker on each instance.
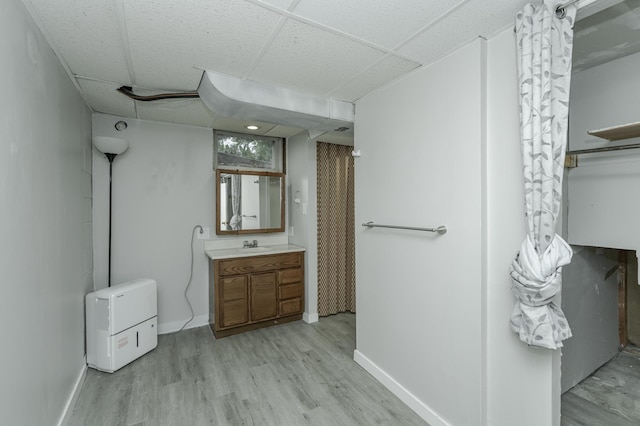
(247, 151)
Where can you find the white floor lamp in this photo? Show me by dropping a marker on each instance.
(110, 147)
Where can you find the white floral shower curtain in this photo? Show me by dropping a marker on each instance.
(236, 220)
(544, 46)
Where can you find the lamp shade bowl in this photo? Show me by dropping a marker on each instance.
(109, 145)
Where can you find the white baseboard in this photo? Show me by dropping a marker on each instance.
(398, 390)
(310, 318)
(71, 402)
(200, 320)
(173, 326)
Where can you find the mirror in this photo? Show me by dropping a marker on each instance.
(249, 202)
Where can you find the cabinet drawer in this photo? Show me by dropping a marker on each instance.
(247, 265)
(234, 288)
(289, 276)
(290, 306)
(290, 291)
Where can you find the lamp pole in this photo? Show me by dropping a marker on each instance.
(110, 157)
(110, 147)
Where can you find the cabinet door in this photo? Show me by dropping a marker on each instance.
(264, 303)
(234, 303)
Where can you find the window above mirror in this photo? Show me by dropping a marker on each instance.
(247, 152)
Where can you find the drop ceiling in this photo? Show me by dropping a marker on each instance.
(333, 48)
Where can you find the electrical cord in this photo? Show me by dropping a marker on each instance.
(189, 282)
(128, 91)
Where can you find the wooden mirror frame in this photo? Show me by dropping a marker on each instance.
(220, 231)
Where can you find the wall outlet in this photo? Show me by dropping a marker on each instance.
(292, 231)
(203, 234)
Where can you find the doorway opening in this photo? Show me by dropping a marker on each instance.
(601, 296)
(336, 229)
(600, 373)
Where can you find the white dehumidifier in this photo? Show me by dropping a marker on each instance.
(122, 323)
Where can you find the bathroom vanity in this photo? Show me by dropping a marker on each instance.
(251, 288)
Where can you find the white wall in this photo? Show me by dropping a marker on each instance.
(250, 204)
(523, 383)
(303, 217)
(603, 190)
(590, 303)
(419, 295)
(163, 186)
(45, 225)
(433, 312)
(604, 96)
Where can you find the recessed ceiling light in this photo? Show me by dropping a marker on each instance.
(252, 127)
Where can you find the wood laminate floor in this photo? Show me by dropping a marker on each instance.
(609, 397)
(291, 374)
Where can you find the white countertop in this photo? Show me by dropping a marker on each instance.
(230, 253)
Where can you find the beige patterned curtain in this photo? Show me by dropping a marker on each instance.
(336, 230)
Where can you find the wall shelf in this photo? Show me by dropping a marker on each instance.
(616, 133)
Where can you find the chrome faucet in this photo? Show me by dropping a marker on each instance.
(247, 244)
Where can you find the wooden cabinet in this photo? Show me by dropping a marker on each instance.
(253, 292)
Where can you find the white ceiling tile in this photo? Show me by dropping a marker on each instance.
(240, 126)
(86, 33)
(169, 38)
(103, 97)
(280, 4)
(312, 60)
(476, 18)
(266, 129)
(284, 131)
(612, 33)
(380, 74)
(385, 23)
(336, 138)
(183, 111)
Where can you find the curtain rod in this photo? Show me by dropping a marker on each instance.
(571, 157)
(561, 12)
(603, 149)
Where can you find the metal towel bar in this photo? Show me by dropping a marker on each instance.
(440, 229)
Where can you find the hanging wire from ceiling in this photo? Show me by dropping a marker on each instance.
(128, 91)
